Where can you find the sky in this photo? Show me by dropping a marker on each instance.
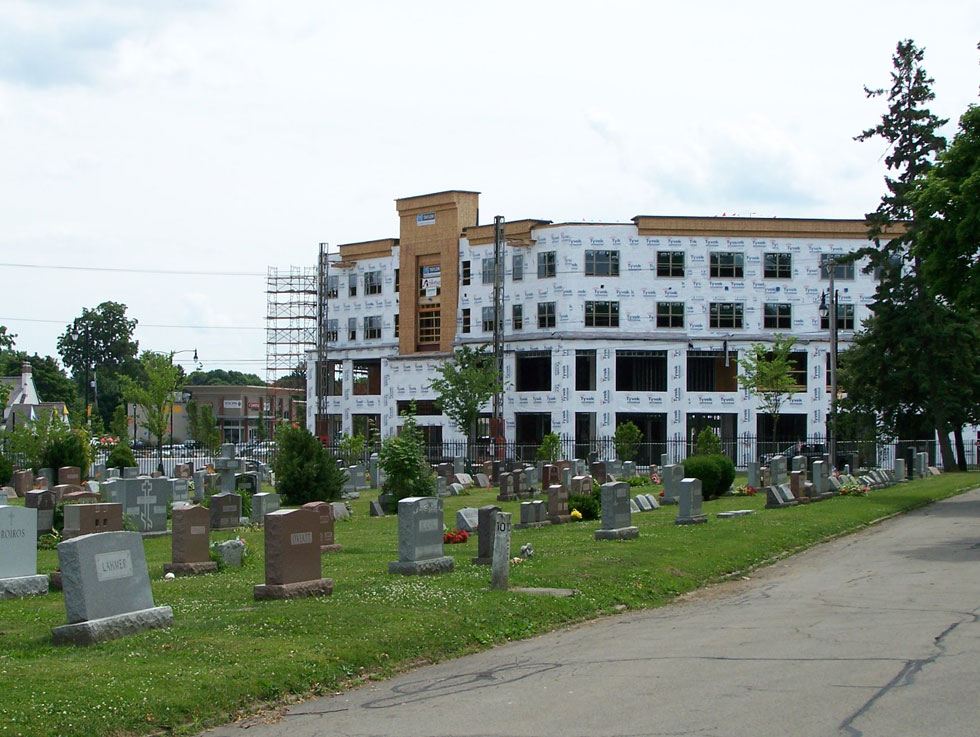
(165, 154)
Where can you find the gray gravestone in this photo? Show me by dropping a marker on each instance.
(615, 468)
(420, 526)
(616, 524)
(689, 503)
(672, 475)
(107, 589)
(179, 490)
(18, 554)
(653, 501)
(199, 495)
(468, 519)
(819, 472)
(629, 469)
(145, 503)
(458, 464)
(262, 504)
(900, 472)
(755, 479)
(130, 472)
(643, 503)
(486, 527)
(500, 567)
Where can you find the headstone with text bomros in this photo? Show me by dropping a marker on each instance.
(598, 471)
(228, 466)
(107, 589)
(616, 522)
(90, 519)
(420, 525)
(292, 557)
(689, 503)
(23, 482)
(130, 472)
(44, 502)
(226, 511)
(70, 475)
(533, 514)
(507, 491)
(262, 504)
(673, 473)
(145, 503)
(18, 554)
(558, 505)
(486, 516)
(754, 476)
(326, 518)
(191, 542)
(550, 476)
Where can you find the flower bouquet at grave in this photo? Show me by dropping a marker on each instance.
(575, 514)
(453, 537)
(745, 490)
(854, 490)
(106, 442)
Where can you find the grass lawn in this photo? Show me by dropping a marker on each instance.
(227, 655)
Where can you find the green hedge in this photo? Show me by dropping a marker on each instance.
(717, 472)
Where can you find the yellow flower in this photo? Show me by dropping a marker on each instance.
(576, 514)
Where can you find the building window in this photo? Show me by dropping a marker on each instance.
(585, 371)
(841, 271)
(712, 371)
(372, 282)
(518, 266)
(333, 287)
(641, 371)
(366, 377)
(466, 320)
(430, 322)
(601, 314)
(725, 315)
(352, 285)
(546, 264)
(546, 314)
(464, 272)
(532, 371)
(488, 319)
(670, 314)
(331, 332)
(372, 327)
(727, 264)
(333, 378)
(777, 316)
(398, 273)
(670, 263)
(517, 317)
(396, 324)
(845, 318)
(352, 328)
(777, 266)
(488, 269)
(602, 263)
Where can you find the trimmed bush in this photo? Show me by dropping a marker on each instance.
(708, 470)
(68, 450)
(120, 457)
(305, 472)
(727, 467)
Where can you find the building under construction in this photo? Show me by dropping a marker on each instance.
(290, 320)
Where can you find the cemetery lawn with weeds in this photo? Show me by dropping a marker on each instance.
(227, 655)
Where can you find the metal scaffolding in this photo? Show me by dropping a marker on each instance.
(290, 328)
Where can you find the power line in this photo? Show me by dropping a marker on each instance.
(179, 272)
(143, 324)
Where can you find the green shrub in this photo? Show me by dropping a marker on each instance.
(638, 481)
(305, 472)
(707, 469)
(402, 458)
(351, 449)
(727, 467)
(120, 457)
(626, 438)
(590, 505)
(708, 444)
(550, 448)
(70, 449)
(6, 469)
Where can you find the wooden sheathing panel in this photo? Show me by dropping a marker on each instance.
(430, 229)
(516, 233)
(753, 227)
(367, 249)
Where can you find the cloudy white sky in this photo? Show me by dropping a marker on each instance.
(167, 138)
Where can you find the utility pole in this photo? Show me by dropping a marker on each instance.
(832, 430)
(497, 421)
(319, 381)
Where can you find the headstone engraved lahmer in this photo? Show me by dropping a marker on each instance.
(107, 589)
(420, 524)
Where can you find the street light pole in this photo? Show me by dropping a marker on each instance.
(831, 313)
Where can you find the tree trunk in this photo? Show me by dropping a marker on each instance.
(945, 449)
(960, 448)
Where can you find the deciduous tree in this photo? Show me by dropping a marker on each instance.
(466, 382)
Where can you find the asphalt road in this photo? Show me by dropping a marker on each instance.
(874, 634)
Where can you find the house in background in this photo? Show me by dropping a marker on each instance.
(23, 402)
